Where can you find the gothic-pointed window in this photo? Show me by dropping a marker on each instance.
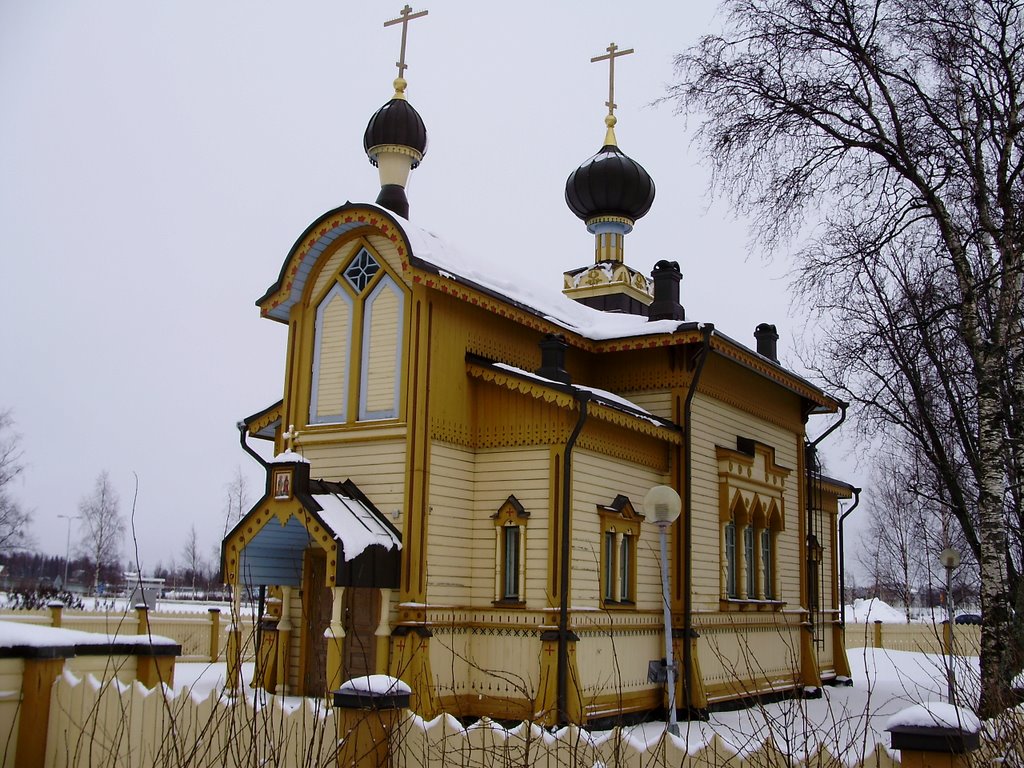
(730, 560)
(620, 532)
(383, 315)
(331, 358)
(510, 563)
(358, 340)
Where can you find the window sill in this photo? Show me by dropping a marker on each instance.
(743, 604)
(618, 605)
(508, 602)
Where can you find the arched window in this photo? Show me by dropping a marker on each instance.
(358, 344)
(620, 532)
(510, 553)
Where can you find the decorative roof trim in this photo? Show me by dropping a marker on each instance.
(277, 302)
(562, 396)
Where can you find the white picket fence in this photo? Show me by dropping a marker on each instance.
(111, 724)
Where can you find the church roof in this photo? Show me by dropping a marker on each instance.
(509, 285)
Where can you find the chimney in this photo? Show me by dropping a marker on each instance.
(767, 337)
(552, 358)
(666, 304)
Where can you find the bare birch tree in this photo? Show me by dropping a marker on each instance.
(237, 503)
(893, 129)
(14, 520)
(192, 557)
(102, 527)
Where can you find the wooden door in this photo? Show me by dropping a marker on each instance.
(316, 617)
(362, 610)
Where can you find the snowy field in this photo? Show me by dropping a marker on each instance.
(845, 720)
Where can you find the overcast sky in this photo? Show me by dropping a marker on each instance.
(158, 161)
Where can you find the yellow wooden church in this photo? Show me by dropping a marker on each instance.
(456, 497)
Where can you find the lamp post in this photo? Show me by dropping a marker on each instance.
(67, 546)
(662, 504)
(949, 559)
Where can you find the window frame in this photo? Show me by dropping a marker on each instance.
(360, 308)
(620, 525)
(511, 514)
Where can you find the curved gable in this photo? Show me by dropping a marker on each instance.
(304, 263)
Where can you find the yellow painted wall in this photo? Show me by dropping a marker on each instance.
(716, 423)
(376, 466)
(597, 480)
(466, 488)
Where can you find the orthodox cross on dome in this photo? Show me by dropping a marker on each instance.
(611, 56)
(405, 16)
(289, 438)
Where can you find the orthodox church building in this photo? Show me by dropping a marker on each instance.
(457, 494)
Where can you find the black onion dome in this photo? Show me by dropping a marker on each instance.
(396, 123)
(609, 184)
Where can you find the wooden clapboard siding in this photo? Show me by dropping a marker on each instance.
(331, 358)
(376, 466)
(524, 473)
(331, 265)
(658, 402)
(718, 424)
(387, 251)
(597, 480)
(381, 369)
(450, 541)
(466, 488)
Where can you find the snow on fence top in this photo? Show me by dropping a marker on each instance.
(935, 714)
(14, 636)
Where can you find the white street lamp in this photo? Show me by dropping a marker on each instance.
(67, 547)
(662, 505)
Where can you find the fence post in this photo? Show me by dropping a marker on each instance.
(56, 612)
(40, 672)
(946, 743)
(142, 614)
(214, 634)
(371, 707)
(878, 633)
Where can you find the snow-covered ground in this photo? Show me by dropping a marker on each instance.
(845, 720)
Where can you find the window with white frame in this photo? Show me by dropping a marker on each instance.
(510, 552)
(752, 507)
(620, 532)
(358, 341)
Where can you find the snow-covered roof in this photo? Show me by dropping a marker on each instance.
(354, 525)
(503, 281)
(512, 283)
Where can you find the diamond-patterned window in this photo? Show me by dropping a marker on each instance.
(361, 271)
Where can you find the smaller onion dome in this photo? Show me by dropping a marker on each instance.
(609, 184)
(396, 125)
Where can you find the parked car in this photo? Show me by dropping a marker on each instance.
(968, 618)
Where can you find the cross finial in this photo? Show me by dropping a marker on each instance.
(289, 438)
(611, 56)
(404, 17)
